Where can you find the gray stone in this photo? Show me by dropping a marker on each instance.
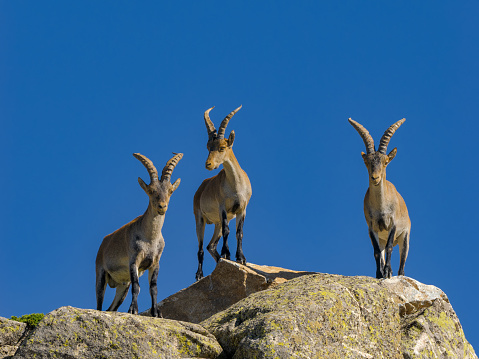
(11, 332)
(81, 333)
(229, 283)
(332, 316)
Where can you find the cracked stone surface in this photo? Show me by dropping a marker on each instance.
(85, 333)
(332, 316)
(229, 283)
(11, 332)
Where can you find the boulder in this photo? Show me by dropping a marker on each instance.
(81, 333)
(11, 333)
(227, 284)
(332, 316)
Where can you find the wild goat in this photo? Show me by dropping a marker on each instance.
(127, 253)
(223, 197)
(384, 208)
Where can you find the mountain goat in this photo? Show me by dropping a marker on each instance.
(127, 253)
(384, 208)
(223, 197)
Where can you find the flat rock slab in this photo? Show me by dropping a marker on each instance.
(80, 333)
(227, 284)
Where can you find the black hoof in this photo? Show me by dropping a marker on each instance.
(241, 260)
(199, 276)
(388, 273)
(133, 310)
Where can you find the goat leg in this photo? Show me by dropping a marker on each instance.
(225, 252)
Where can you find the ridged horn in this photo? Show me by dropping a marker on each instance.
(170, 166)
(368, 140)
(149, 166)
(209, 125)
(224, 123)
(383, 144)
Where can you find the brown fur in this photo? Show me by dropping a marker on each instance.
(128, 252)
(384, 209)
(226, 194)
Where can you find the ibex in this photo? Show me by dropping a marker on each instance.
(223, 197)
(384, 208)
(127, 253)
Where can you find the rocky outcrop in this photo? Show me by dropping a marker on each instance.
(260, 312)
(81, 333)
(332, 316)
(229, 283)
(11, 332)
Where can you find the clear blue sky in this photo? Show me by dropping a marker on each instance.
(83, 85)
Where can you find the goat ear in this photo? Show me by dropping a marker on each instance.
(143, 185)
(392, 154)
(231, 138)
(363, 155)
(175, 185)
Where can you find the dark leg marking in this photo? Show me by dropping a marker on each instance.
(100, 287)
(200, 232)
(135, 289)
(154, 293)
(405, 249)
(225, 252)
(239, 240)
(199, 272)
(389, 249)
(377, 254)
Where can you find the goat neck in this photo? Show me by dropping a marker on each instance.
(234, 173)
(378, 193)
(152, 223)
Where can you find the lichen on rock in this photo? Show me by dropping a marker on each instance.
(79, 333)
(333, 316)
(315, 316)
(11, 333)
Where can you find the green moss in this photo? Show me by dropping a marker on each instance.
(31, 320)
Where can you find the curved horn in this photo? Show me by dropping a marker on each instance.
(383, 144)
(224, 123)
(149, 166)
(209, 125)
(368, 140)
(170, 166)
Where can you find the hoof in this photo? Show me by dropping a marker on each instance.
(155, 313)
(241, 261)
(133, 310)
(388, 273)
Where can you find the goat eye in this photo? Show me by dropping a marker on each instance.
(222, 149)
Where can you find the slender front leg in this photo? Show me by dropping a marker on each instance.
(377, 252)
(239, 239)
(389, 249)
(225, 252)
(135, 288)
(403, 249)
(153, 278)
(200, 233)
